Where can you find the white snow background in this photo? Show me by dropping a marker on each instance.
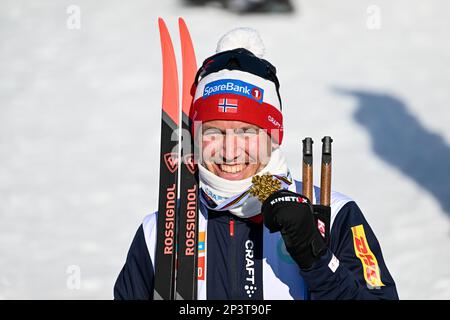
(80, 121)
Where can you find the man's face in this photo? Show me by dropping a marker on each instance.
(234, 150)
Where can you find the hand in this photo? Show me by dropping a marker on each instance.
(292, 215)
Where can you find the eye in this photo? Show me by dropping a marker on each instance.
(250, 133)
(212, 133)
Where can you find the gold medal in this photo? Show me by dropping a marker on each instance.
(264, 186)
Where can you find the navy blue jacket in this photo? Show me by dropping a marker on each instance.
(226, 268)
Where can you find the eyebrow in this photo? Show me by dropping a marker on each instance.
(206, 127)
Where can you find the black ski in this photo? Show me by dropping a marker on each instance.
(168, 173)
(186, 285)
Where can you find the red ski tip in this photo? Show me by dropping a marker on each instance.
(189, 66)
(170, 101)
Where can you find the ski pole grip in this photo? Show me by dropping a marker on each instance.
(326, 148)
(307, 150)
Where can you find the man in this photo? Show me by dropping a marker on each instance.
(253, 250)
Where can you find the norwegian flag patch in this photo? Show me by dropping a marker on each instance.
(227, 105)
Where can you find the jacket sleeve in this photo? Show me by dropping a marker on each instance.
(353, 266)
(136, 280)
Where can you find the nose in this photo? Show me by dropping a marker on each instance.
(231, 149)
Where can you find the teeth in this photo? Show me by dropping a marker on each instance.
(232, 168)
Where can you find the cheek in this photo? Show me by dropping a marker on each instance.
(257, 148)
(252, 146)
(209, 149)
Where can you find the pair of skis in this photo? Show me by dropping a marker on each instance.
(177, 221)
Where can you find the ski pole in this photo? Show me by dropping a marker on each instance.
(307, 169)
(325, 175)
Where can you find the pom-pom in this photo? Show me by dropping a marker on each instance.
(246, 38)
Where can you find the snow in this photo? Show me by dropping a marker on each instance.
(79, 129)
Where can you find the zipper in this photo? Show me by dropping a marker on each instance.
(233, 262)
(231, 227)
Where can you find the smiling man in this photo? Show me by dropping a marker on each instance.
(253, 250)
(234, 150)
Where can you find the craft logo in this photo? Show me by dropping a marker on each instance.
(274, 121)
(250, 287)
(226, 86)
(368, 259)
(212, 195)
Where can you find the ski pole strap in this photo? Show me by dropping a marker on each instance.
(237, 200)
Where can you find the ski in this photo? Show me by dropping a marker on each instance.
(186, 284)
(165, 254)
(176, 245)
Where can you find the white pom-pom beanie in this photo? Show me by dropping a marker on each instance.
(237, 84)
